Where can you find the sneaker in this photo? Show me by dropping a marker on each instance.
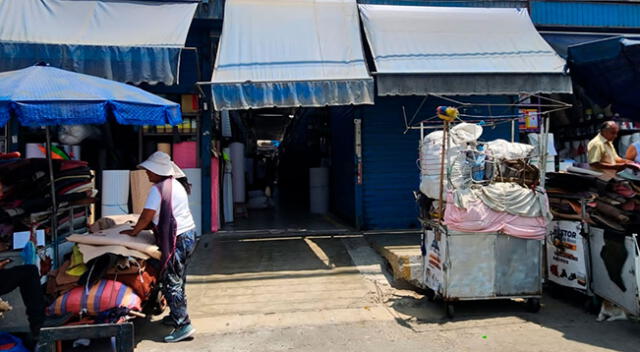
(180, 334)
(168, 321)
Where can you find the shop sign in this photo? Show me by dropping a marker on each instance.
(434, 261)
(566, 262)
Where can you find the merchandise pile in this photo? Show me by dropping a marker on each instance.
(488, 187)
(108, 277)
(601, 199)
(25, 197)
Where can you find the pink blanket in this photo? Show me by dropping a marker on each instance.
(480, 218)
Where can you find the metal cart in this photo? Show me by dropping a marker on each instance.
(479, 266)
(602, 283)
(568, 262)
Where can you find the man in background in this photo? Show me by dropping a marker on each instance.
(602, 154)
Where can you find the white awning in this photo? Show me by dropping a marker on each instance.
(422, 50)
(289, 53)
(128, 41)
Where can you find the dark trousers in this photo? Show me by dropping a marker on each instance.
(27, 278)
(175, 279)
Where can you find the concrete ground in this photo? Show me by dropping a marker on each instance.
(334, 294)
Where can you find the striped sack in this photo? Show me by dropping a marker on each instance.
(104, 295)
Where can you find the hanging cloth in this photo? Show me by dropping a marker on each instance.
(167, 228)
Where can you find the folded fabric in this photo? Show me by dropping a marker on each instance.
(110, 221)
(63, 278)
(141, 283)
(624, 189)
(478, 217)
(506, 197)
(144, 242)
(90, 252)
(104, 295)
(612, 212)
(609, 223)
(629, 174)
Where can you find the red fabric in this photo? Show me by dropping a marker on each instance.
(184, 155)
(141, 288)
(215, 195)
(104, 295)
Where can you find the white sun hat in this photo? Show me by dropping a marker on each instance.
(159, 163)
(177, 171)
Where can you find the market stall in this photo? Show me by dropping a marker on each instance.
(118, 274)
(602, 258)
(484, 216)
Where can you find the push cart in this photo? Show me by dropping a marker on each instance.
(616, 281)
(481, 266)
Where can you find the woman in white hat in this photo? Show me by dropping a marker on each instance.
(167, 213)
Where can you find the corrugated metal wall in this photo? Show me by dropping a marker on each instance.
(450, 3)
(585, 14)
(390, 157)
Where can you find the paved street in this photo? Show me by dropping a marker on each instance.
(332, 294)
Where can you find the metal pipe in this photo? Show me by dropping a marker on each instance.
(54, 203)
(445, 131)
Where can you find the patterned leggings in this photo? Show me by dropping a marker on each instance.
(176, 276)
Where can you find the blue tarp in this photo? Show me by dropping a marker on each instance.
(44, 96)
(126, 41)
(609, 70)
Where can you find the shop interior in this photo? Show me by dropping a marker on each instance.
(283, 183)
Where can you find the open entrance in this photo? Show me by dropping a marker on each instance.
(296, 172)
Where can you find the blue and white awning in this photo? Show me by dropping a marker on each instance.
(422, 50)
(288, 53)
(126, 41)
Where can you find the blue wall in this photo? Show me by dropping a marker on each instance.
(343, 163)
(390, 157)
(583, 14)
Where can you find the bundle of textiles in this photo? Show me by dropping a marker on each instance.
(610, 202)
(489, 187)
(25, 195)
(108, 279)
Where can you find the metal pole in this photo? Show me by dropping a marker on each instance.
(543, 150)
(54, 203)
(442, 160)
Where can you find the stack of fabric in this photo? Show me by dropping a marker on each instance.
(25, 198)
(108, 275)
(606, 201)
(611, 202)
(490, 187)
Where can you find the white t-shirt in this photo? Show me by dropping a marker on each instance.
(180, 203)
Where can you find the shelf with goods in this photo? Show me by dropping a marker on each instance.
(26, 203)
(187, 131)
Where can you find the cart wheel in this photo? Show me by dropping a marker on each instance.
(533, 305)
(555, 291)
(449, 310)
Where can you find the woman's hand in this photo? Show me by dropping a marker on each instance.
(128, 232)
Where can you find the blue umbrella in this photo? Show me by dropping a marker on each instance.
(45, 96)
